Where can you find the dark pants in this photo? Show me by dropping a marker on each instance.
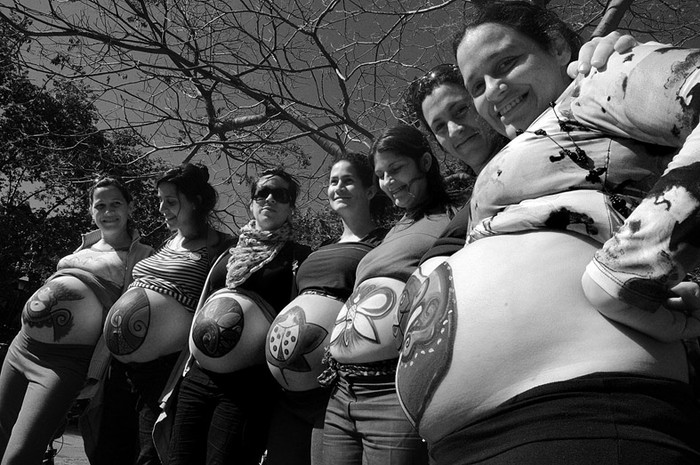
(222, 418)
(296, 432)
(149, 380)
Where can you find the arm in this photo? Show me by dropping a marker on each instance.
(651, 96)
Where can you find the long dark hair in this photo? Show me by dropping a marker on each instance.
(539, 24)
(408, 141)
(192, 181)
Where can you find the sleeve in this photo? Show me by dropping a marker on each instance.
(653, 96)
(452, 239)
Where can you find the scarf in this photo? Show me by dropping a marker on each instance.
(254, 250)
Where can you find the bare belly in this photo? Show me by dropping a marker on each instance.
(507, 314)
(228, 333)
(363, 331)
(144, 325)
(63, 311)
(298, 338)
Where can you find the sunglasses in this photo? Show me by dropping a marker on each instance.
(440, 73)
(279, 194)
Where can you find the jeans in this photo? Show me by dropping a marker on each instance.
(222, 418)
(296, 432)
(149, 380)
(38, 385)
(365, 425)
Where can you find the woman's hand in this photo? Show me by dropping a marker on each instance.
(595, 52)
(686, 304)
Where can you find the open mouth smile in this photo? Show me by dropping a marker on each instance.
(509, 106)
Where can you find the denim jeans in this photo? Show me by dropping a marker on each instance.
(222, 418)
(149, 380)
(365, 425)
(296, 432)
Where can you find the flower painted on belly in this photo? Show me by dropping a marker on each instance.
(43, 309)
(218, 326)
(412, 292)
(290, 339)
(127, 322)
(427, 349)
(356, 320)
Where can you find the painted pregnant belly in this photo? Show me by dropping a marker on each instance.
(63, 311)
(228, 332)
(429, 325)
(144, 325)
(297, 341)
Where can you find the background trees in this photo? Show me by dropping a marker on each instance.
(116, 85)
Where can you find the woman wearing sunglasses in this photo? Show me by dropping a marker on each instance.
(555, 347)
(225, 399)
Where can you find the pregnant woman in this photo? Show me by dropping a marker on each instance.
(300, 334)
(47, 363)
(147, 327)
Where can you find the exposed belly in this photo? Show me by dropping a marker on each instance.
(63, 311)
(144, 325)
(504, 315)
(228, 333)
(363, 330)
(297, 340)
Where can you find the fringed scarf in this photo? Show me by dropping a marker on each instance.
(254, 250)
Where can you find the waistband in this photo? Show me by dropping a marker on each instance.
(335, 369)
(600, 405)
(322, 293)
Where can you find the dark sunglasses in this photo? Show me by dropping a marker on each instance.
(279, 194)
(440, 73)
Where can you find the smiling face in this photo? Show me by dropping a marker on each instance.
(176, 209)
(110, 210)
(346, 193)
(268, 206)
(402, 179)
(449, 112)
(510, 77)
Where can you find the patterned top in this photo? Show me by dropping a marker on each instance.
(593, 163)
(177, 273)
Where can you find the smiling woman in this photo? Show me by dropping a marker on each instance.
(47, 363)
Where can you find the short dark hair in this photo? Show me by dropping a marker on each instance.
(280, 173)
(539, 24)
(421, 87)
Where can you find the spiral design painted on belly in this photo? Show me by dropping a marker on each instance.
(218, 326)
(128, 322)
(427, 348)
(290, 339)
(43, 310)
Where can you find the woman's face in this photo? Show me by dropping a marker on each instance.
(510, 77)
(402, 179)
(110, 211)
(175, 208)
(450, 114)
(271, 204)
(346, 193)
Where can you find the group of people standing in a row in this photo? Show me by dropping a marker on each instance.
(542, 323)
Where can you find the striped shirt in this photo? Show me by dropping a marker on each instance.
(176, 273)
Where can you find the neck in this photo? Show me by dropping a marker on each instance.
(117, 240)
(355, 227)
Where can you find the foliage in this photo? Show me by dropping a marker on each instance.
(50, 153)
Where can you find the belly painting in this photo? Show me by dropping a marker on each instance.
(363, 330)
(298, 338)
(144, 325)
(228, 332)
(63, 311)
(504, 315)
